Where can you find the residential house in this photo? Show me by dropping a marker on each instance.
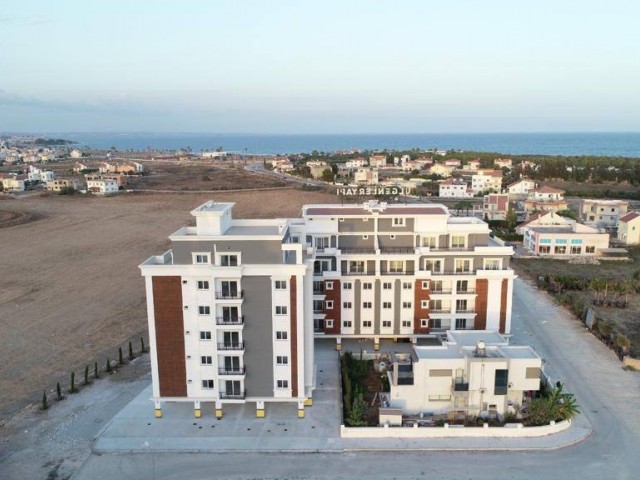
(453, 162)
(486, 180)
(12, 182)
(36, 174)
(471, 166)
(75, 153)
(520, 190)
(470, 374)
(503, 162)
(602, 213)
(317, 168)
(102, 186)
(60, 183)
(378, 161)
(545, 199)
(440, 169)
(495, 206)
(454, 188)
(366, 175)
(356, 163)
(629, 228)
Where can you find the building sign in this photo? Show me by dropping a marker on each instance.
(373, 191)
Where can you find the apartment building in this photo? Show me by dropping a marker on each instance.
(366, 175)
(546, 199)
(234, 305)
(59, 183)
(102, 186)
(602, 213)
(486, 181)
(378, 161)
(495, 206)
(390, 271)
(520, 189)
(474, 374)
(454, 188)
(629, 228)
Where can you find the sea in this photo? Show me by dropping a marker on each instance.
(597, 144)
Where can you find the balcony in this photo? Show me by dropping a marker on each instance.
(440, 310)
(442, 291)
(239, 320)
(460, 310)
(357, 250)
(406, 272)
(453, 272)
(318, 291)
(231, 371)
(467, 291)
(231, 346)
(233, 396)
(230, 295)
(318, 311)
(398, 250)
(346, 273)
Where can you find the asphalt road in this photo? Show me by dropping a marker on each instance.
(608, 396)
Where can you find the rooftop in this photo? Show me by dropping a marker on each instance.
(630, 216)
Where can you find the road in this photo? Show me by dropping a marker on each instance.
(607, 395)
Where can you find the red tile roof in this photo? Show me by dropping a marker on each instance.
(546, 189)
(629, 216)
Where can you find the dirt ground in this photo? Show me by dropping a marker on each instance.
(626, 320)
(70, 288)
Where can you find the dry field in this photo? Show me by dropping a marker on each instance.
(70, 288)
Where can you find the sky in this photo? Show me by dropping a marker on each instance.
(343, 66)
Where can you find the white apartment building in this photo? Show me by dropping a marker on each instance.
(486, 180)
(102, 186)
(629, 228)
(36, 174)
(378, 161)
(233, 307)
(552, 235)
(473, 373)
(356, 163)
(521, 188)
(602, 213)
(453, 188)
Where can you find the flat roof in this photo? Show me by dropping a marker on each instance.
(253, 230)
(397, 210)
(470, 338)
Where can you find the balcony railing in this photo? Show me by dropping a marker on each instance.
(442, 291)
(318, 311)
(347, 273)
(440, 310)
(398, 250)
(460, 310)
(460, 386)
(453, 272)
(231, 346)
(233, 396)
(468, 290)
(318, 291)
(352, 250)
(406, 272)
(231, 371)
(239, 320)
(230, 295)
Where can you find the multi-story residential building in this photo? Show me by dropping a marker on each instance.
(226, 310)
(552, 235)
(495, 206)
(234, 305)
(378, 161)
(545, 199)
(60, 183)
(520, 189)
(399, 161)
(602, 213)
(454, 188)
(474, 374)
(389, 271)
(317, 168)
(503, 162)
(486, 181)
(471, 165)
(356, 163)
(366, 175)
(629, 228)
(440, 169)
(102, 186)
(12, 183)
(36, 174)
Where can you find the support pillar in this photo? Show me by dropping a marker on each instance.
(376, 344)
(158, 409)
(338, 344)
(218, 411)
(197, 412)
(260, 413)
(301, 409)
(308, 402)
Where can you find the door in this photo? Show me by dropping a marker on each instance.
(231, 339)
(230, 314)
(232, 388)
(232, 364)
(229, 289)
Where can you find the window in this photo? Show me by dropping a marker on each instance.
(201, 258)
(204, 310)
(356, 266)
(346, 304)
(576, 250)
(407, 286)
(329, 285)
(461, 323)
(386, 324)
(203, 285)
(347, 286)
(463, 265)
(492, 264)
(386, 285)
(365, 237)
(329, 304)
(425, 284)
(462, 286)
(281, 309)
(429, 242)
(322, 243)
(205, 335)
(545, 249)
(406, 323)
(560, 249)
(282, 384)
(396, 266)
(367, 286)
(282, 360)
(207, 384)
(366, 304)
(281, 284)
(424, 303)
(347, 324)
(386, 305)
(320, 266)
(392, 237)
(435, 323)
(501, 381)
(398, 222)
(457, 241)
(329, 323)
(229, 260)
(590, 250)
(435, 305)
(424, 322)
(433, 265)
(406, 304)
(281, 335)
(366, 323)
(206, 360)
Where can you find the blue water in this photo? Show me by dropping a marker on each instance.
(610, 144)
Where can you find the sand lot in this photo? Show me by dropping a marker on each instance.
(70, 288)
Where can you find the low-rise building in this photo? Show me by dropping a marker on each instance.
(629, 228)
(472, 373)
(378, 161)
(317, 168)
(102, 186)
(440, 169)
(521, 188)
(471, 166)
(38, 175)
(486, 181)
(356, 163)
(12, 183)
(75, 153)
(545, 199)
(553, 235)
(602, 213)
(60, 183)
(503, 162)
(495, 206)
(368, 176)
(454, 188)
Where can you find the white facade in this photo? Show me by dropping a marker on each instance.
(486, 180)
(602, 213)
(102, 186)
(454, 189)
(629, 228)
(367, 176)
(521, 188)
(471, 373)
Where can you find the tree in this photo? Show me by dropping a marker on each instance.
(58, 391)
(511, 220)
(108, 369)
(72, 383)
(328, 175)
(356, 417)
(120, 359)
(45, 404)
(130, 351)
(567, 213)
(556, 405)
(86, 374)
(95, 370)
(142, 349)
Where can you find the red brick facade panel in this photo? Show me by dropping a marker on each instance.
(334, 313)
(503, 306)
(418, 312)
(293, 308)
(482, 290)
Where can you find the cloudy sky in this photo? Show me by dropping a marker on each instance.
(343, 66)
